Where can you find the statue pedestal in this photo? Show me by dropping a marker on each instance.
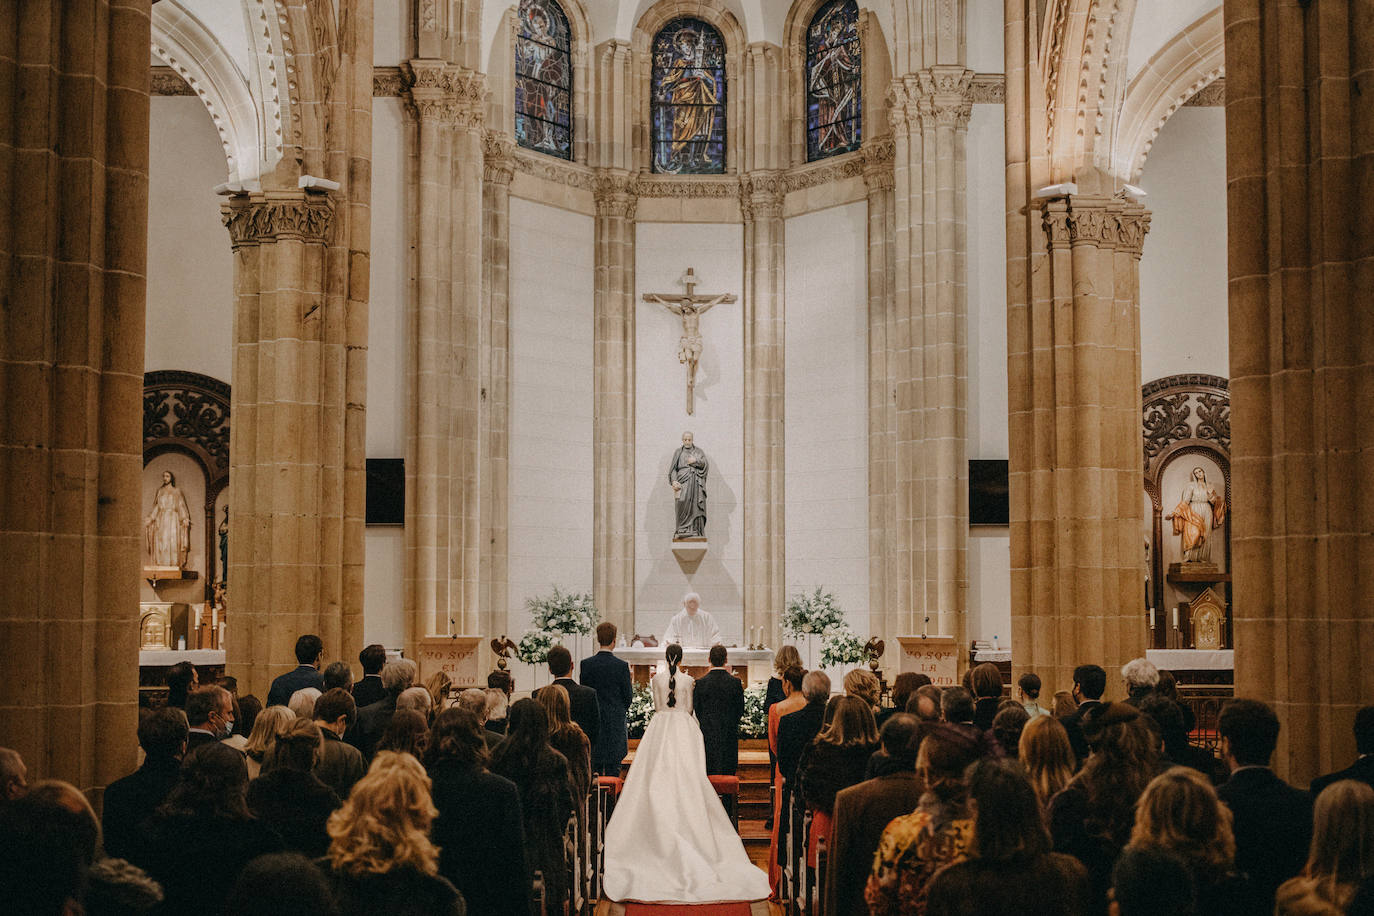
(1205, 573)
(689, 550)
(156, 574)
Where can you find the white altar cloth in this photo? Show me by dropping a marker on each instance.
(1193, 659)
(760, 661)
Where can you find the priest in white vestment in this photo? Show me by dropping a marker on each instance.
(692, 627)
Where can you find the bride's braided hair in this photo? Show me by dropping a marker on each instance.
(674, 655)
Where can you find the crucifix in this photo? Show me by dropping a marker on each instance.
(689, 308)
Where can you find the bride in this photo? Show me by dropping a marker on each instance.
(669, 839)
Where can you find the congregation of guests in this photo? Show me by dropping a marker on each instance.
(344, 796)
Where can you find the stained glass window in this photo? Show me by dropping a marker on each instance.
(543, 79)
(688, 94)
(833, 80)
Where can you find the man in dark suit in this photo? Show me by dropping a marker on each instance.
(863, 811)
(129, 801)
(586, 711)
(1363, 767)
(369, 690)
(210, 713)
(1089, 683)
(610, 678)
(340, 764)
(1273, 820)
(718, 699)
(397, 676)
(309, 652)
(795, 730)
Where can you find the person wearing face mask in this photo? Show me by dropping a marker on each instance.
(210, 712)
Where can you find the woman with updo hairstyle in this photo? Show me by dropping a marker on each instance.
(1179, 812)
(1341, 856)
(938, 833)
(288, 797)
(206, 811)
(787, 657)
(541, 775)
(985, 683)
(493, 875)
(1091, 818)
(669, 839)
(380, 857)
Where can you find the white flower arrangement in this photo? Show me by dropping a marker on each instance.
(754, 722)
(533, 648)
(842, 647)
(567, 613)
(640, 712)
(814, 614)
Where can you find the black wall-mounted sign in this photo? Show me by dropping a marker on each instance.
(386, 491)
(989, 502)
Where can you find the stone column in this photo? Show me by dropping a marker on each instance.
(613, 428)
(494, 413)
(761, 201)
(288, 504)
(1299, 139)
(443, 485)
(1076, 467)
(884, 570)
(927, 354)
(73, 246)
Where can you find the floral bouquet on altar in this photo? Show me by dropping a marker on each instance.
(568, 613)
(841, 647)
(533, 648)
(812, 615)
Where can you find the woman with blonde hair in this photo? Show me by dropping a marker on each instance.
(1180, 813)
(270, 724)
(1342, 853)
(1046, 754)
(862, 683)
(380, 857)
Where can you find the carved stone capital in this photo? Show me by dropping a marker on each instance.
(498, 157)
(761, 195)
(935, 97)
(440, 91)
(877, 157)
(1103, 223)
(256, 218)
(616, 193)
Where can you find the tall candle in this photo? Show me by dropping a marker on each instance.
(1175, 618)
(1152, 618)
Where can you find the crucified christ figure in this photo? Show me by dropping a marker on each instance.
(689, 308)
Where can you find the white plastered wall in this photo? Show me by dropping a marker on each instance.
(190, 318)
(989, 548)
(1183, 312)
(664, 251)
(551, 377)
(387, 363)
(827, 407)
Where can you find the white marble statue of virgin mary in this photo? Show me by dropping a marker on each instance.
(167, 529)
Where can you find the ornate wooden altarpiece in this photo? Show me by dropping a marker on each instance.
(188, 413)
(1182, 416)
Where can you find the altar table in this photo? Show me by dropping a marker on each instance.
(753, 666)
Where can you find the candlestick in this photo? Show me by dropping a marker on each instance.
(1152, 618)
(1175, 618)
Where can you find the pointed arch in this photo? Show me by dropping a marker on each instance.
(544, 79)
(834, 80)
(688, 91)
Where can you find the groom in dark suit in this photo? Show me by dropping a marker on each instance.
(610, 678)
(719, 702)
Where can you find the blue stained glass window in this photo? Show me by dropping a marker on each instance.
(543, 79)
(834, 93)
(688, 91)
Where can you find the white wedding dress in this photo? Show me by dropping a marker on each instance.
(669, 839)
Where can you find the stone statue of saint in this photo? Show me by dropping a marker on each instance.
(1200, 509)
(687, 474)
(167, 529)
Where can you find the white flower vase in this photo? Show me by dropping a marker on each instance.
(810, 649)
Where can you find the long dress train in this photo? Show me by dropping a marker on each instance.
(669, 839)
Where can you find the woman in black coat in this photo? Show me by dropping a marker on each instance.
(288, 797)
(205, 815)
(836, 759)
(492, 875)
(546, 802)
